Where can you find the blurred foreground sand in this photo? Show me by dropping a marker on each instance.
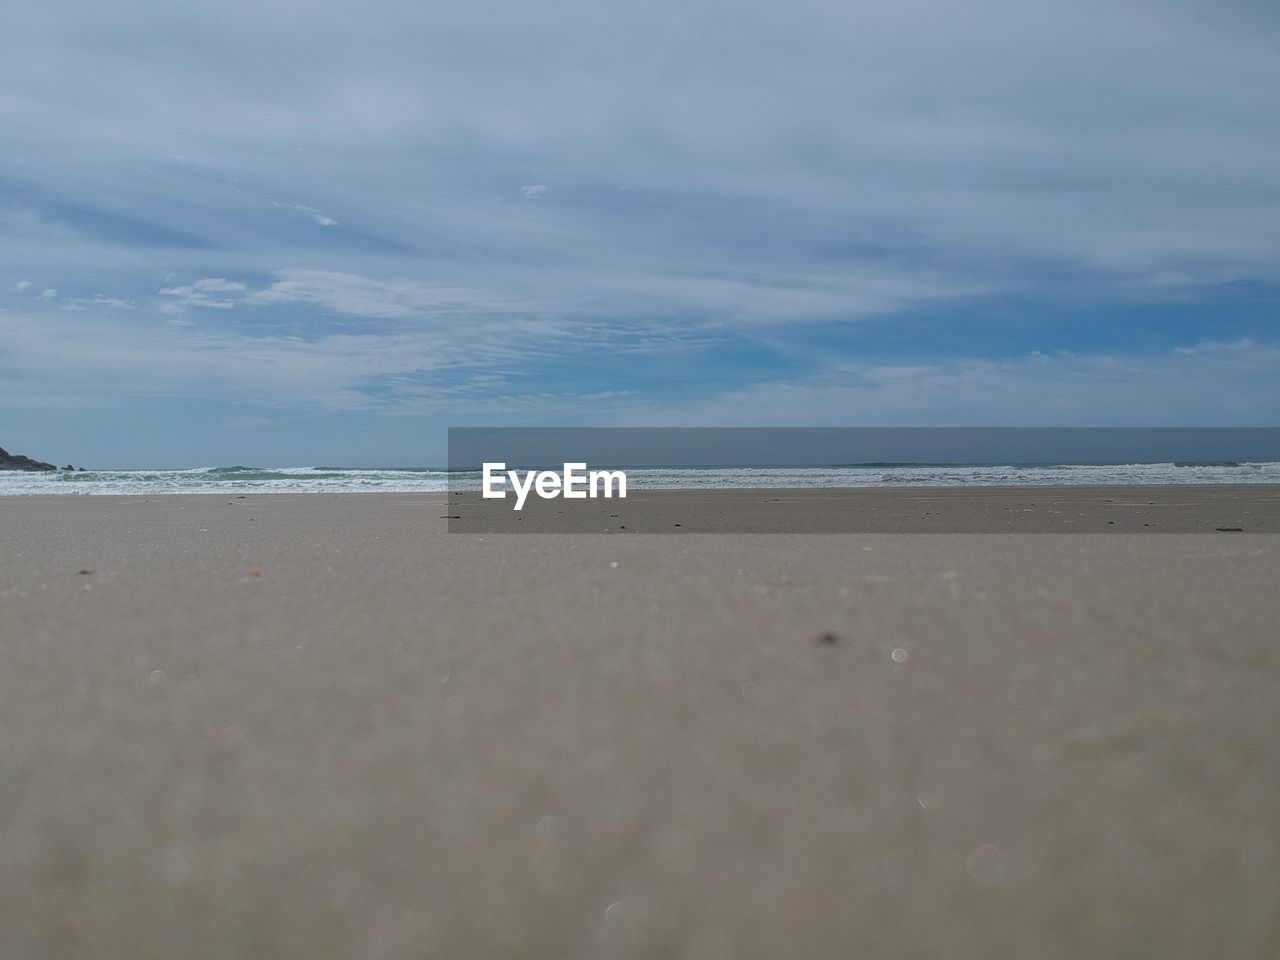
(319, 726)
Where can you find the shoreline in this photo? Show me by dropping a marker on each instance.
(1218, 508)
(1103, 508)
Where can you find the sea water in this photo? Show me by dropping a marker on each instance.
(241, 479)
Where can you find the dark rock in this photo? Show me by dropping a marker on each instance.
(13, 461)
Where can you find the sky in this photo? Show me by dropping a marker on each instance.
(310, 233)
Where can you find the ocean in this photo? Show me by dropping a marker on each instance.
(240, 479)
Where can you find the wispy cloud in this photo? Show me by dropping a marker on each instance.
(360, 296)
(1184, 387)
(94, 302)
(635, 296)
(1211, 347)
(209, 292)
(429, 371)
(317, 216)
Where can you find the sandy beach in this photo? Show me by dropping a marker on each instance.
(323, 726)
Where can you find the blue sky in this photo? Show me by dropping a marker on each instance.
(301, 233)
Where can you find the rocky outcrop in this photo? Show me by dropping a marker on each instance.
(13, 461)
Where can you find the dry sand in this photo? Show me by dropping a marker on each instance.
(320, 726)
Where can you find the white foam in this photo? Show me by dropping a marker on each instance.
(245, 480)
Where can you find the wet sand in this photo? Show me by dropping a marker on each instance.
(1112, 508)
(303, 726)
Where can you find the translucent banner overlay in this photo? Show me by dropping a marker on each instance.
(799, 480)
